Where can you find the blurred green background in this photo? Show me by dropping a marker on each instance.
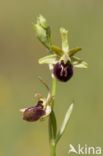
(19, 68)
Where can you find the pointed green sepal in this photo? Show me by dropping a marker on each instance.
(74, 51)
(64, 37)
(50, 59)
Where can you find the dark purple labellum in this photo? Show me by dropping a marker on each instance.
(34, 113)
(63, 72)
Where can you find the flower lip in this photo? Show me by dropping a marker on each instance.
(63, 72)
(34, 113)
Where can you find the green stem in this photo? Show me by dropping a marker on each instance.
(53, 148)
(54, 85)
(52, 122)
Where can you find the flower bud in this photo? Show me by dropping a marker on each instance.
(42, 30)
(34, 113)
(42, 21)
(63, 72)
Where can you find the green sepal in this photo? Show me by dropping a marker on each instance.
(73, 51)
(65, 123)
(78, 63)
(64, 37)
(50, 59)
(57, 50)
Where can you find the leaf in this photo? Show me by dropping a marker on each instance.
(79, 63)
(57, 50)
(65, 123)
(52, 126)
(50, 59)
(74, 51)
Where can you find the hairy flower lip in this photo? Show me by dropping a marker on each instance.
(63, 72)
(34, 113)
